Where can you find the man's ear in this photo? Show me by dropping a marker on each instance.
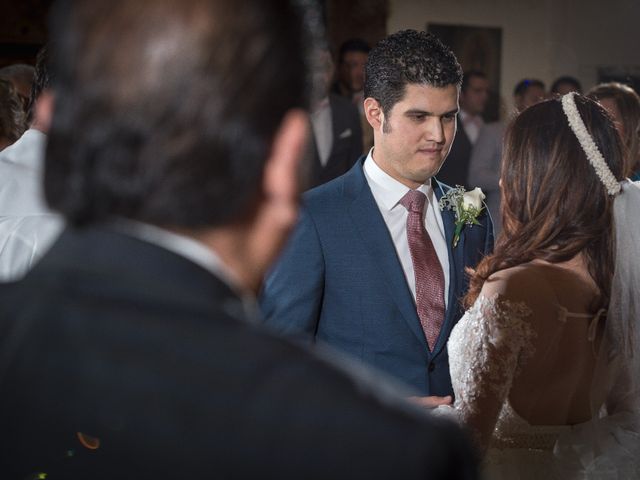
(281, 176)
(43, 111)
(374, 114)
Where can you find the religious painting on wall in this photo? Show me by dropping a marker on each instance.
(477, 48)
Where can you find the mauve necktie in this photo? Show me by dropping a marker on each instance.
(427, 268)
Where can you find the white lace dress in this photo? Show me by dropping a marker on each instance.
(487, 350)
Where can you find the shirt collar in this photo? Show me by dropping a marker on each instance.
(390, 190)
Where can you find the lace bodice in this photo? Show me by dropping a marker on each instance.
(487, 348)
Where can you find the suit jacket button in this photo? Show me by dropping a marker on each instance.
(431, 367)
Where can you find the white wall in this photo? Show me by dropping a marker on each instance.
(540, 38)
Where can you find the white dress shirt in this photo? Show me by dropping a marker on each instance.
(387, 193)
(27, 226)
(323, 130)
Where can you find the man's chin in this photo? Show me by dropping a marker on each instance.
(427, 174)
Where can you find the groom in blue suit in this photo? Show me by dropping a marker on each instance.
(350, 276)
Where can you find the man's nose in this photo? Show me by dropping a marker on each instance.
(434, 129)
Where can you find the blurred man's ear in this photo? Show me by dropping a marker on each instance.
(278, 210)
(43, 111)
(282, 176)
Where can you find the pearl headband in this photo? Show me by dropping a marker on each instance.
(588, 145)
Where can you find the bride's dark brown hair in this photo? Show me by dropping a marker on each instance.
(554, 206)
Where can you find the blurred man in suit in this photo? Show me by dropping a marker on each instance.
(474, 94)
(131, 350)
(352, 58)
(337, 134)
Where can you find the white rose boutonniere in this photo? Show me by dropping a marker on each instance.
(467, 207)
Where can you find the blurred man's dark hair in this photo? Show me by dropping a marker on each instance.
(523, 85)
(353, 45)
(565, 84)
(408, 57)
(169, 123)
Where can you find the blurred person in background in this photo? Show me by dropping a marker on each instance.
(27, 226)
(565, 84)
(474, 94)
(528, 92)
(12, 117)
(22, 76)
(623, 104)
(336, 129)
(352, 58)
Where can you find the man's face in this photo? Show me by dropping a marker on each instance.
(474, 99)
(416, 135)
(352, 70)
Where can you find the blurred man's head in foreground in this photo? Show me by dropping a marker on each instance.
(170, 113)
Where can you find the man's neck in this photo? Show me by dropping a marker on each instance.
(230, 247)
(35, 125)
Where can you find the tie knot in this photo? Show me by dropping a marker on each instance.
(414, 201)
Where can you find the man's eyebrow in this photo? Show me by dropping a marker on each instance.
(416, 111)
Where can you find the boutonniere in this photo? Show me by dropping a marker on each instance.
(467, 207)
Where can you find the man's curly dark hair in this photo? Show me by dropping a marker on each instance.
(407, 57)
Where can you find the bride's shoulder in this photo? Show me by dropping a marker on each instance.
(526, 289)
(518, 300)
(526, 283)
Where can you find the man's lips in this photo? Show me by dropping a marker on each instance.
(430, 150)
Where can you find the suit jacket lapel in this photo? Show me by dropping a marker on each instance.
(456, 265)
(368, 221)
(464, 137)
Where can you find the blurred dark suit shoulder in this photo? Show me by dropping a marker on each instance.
(455, 168)
(151, 358)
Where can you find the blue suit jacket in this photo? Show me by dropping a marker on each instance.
(340, 282)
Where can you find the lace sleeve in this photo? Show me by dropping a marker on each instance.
(486, 349)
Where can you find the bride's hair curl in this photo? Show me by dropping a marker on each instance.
(554, 205)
